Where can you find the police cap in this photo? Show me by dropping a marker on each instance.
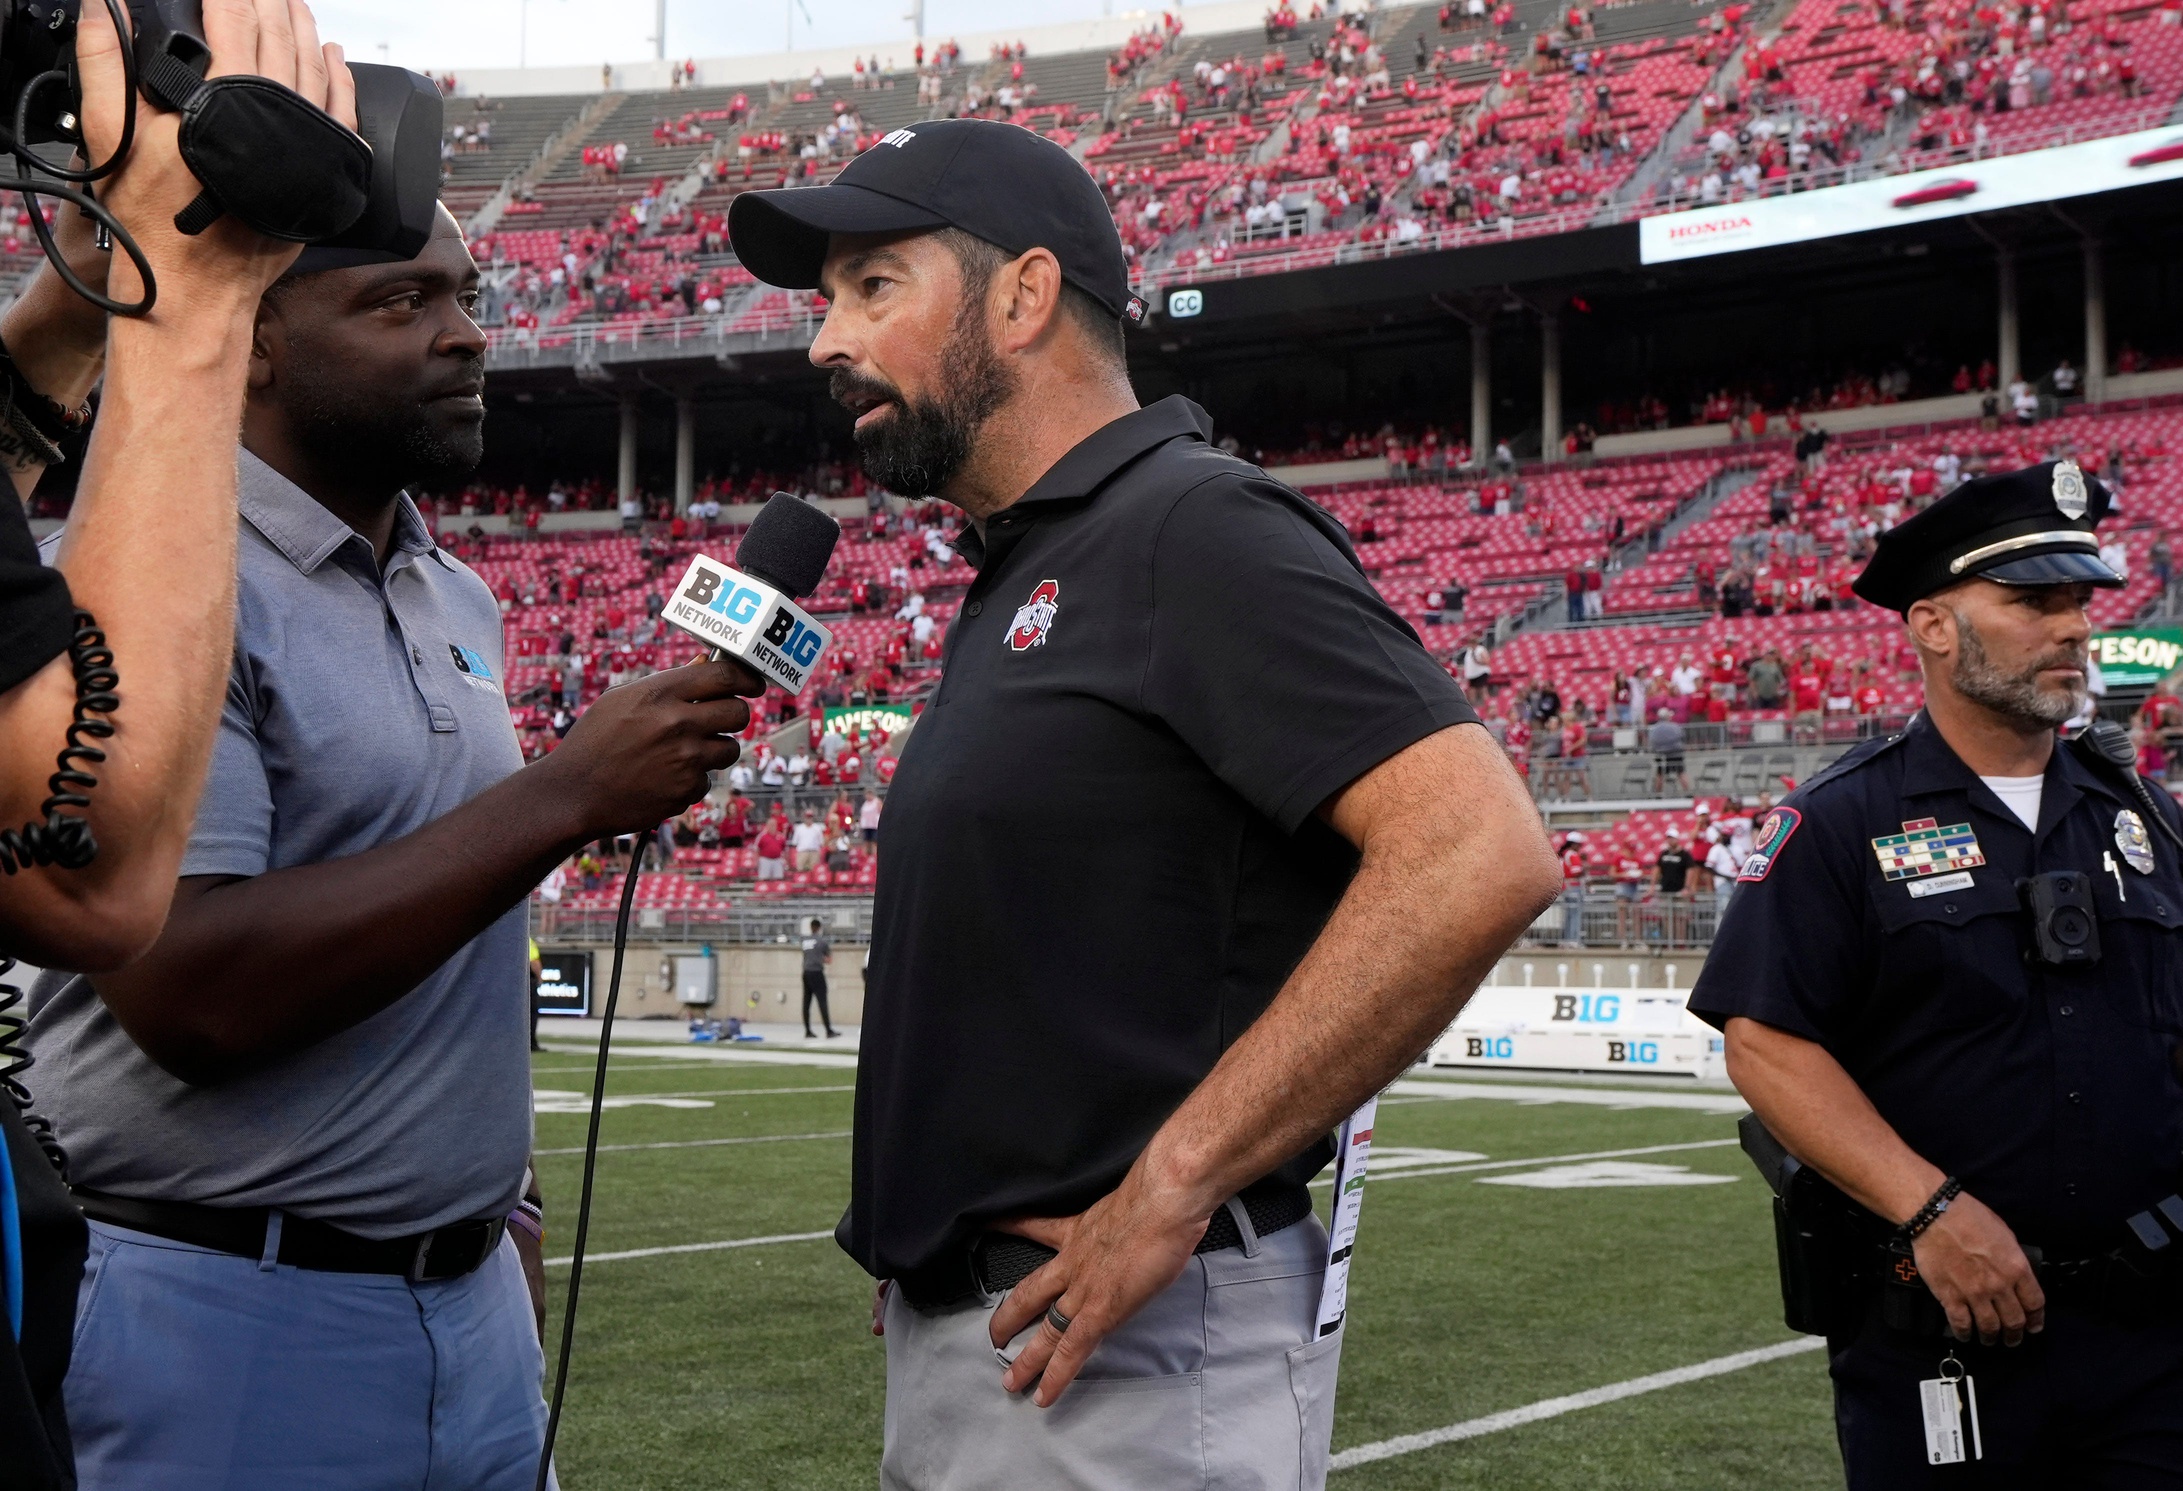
(2029, 527)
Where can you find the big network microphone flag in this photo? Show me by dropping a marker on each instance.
(749, 612)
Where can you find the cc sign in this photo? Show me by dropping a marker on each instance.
(1183, 303)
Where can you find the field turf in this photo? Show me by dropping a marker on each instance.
(753, 1367)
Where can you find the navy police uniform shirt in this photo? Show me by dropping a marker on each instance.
(1880, 918)
(1100, 860)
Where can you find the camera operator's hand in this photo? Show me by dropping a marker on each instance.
(276, 39)
(641, 753)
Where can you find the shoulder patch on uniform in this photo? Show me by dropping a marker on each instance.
(1772, 835)
(1850, 760)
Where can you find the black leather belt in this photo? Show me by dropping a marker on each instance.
(996, 1262)
(444, 1253)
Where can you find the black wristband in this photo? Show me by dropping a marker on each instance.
(38, 421)
(1929, 1213)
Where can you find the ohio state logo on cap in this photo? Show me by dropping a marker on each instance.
(1035, 617)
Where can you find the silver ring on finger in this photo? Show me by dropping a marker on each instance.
(1057, 1320)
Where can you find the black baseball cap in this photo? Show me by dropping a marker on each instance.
(2028, 527)
(999, 182)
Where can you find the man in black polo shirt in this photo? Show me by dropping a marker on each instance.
(1192, 850)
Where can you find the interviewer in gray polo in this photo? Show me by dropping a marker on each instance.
(297, 1123)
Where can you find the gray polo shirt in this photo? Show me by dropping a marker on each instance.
(360, 708)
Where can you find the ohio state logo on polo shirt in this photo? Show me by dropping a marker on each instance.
(1035, 617)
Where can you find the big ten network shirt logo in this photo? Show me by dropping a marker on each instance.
(471, 664)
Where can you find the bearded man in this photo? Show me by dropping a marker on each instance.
(1089, 1102)
(1951, 986)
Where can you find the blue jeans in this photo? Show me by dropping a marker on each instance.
(201, 1371)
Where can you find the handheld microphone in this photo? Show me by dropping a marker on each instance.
(747, 612)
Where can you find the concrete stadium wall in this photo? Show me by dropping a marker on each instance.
(2121, 388)
(774, 972)
(1328, 473)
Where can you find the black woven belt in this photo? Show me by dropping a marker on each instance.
(997, 1262)
(444, 1253)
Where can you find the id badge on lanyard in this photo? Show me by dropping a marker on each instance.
(1354, 1150)
(1950, 1400)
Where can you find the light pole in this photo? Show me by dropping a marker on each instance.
(659, 31)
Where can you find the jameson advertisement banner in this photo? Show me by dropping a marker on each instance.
(865, 718)
(2135, 660)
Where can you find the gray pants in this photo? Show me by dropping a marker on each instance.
(1216, 1384)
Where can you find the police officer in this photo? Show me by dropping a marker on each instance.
(1952, 985)
(1193, 849)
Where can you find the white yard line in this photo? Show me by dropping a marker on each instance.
(711, 1247)
(589, 1066)
(723, 1055)
(1595, 1097)
(733, 1092)
(704, 1144)
(1551, 1159)
(1548, 1408)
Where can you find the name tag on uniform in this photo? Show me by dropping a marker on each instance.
(1925, 848)
(1961, 880)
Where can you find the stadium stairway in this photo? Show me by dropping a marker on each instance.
(1720, 486)
(548, 151)
(1679, 137)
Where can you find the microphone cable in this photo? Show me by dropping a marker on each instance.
(63, 839)
(591, 1156)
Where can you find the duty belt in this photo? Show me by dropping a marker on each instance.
(995, 1262)
(443, 1253)
(2142, 1277)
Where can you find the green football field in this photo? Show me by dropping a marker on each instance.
(1522, 1241)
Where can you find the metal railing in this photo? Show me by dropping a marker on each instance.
(588, 342)
(1600, 916)
(847, 919)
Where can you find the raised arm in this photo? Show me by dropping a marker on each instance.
(150, 550)
(1454, 865)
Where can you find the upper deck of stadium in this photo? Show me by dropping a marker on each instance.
(1300, 142)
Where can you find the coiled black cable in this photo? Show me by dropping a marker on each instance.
(65, 838)
(14, 1061)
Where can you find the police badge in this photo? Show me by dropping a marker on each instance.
(2136, 845)
(2069, 491)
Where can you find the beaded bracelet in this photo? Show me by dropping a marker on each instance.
(1929, 1213)
(37, 421)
